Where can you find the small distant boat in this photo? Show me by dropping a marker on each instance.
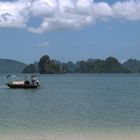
(25, 84)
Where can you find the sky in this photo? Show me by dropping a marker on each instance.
(69, 30)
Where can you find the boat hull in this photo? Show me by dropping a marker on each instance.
(22, 86)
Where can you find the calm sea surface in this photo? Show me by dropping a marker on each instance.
(73, 102)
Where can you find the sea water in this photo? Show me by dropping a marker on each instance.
(72, 107)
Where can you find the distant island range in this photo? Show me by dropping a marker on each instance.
(51, 66)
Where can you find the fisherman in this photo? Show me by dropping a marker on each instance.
(33, 79)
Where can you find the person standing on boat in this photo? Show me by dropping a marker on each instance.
(33, 79)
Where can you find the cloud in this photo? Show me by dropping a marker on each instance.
(64, 14)
(43, 44)
(129, 10)
(14, 14)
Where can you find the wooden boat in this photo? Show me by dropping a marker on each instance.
(11, 85)
(25, 84)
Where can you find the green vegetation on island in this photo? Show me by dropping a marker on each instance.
(110, 65)
(48, 66)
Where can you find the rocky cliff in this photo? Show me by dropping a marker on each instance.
(47, 66)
